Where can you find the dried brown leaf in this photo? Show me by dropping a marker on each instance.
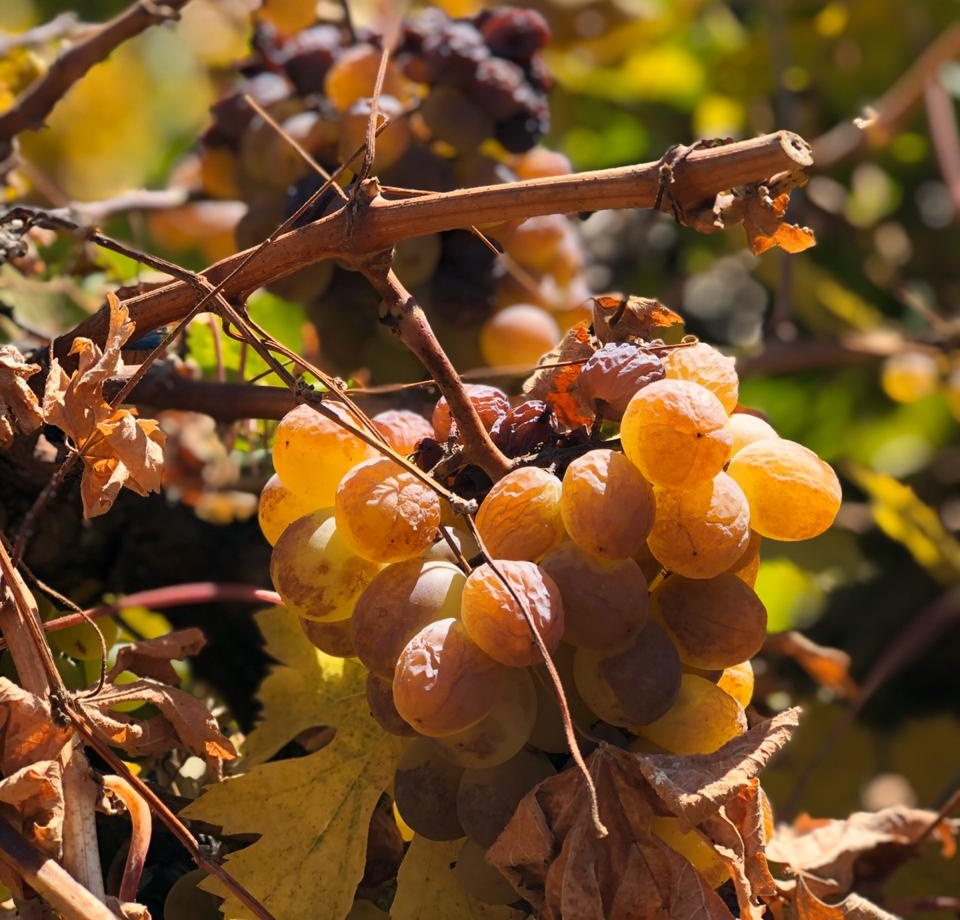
(618, 318)
(555, 378)
(853, 907)
(117, 448)
(19, 406)
(766, 228)
(36, 791)
(829, 667)
(151, 657)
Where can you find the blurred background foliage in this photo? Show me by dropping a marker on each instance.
(852, 347)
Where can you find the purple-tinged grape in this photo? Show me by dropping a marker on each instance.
(613, 373)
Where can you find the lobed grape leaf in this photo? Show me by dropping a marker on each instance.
(117, 448)
(19, 406)
(426, 885)
(311, 813)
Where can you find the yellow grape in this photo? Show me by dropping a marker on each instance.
(503, 731)
(910, 375)
(311, 453)
(714, 622)
(386, 513)
(425, 791)
(607, 504)
(738, 681)
(495, 621)
(701, 531)
(403, 429)
(479, 879)
(634, 685)
(540, 162)
(397, 604)
(518, 335)
(444, 682)
(82, 643)
(675, 432)
(353, 74)
(604, 600)
(314, 571)
(392, 141)
(520, 517)
(703, 364)
(279, 508)
(332, 638)
(702, 719)
(693, 847)
(747, 567)
(534, 241)
(793, 494)
(746, 428)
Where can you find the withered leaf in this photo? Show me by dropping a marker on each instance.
(152, 657)
(36, 791)
(853, 907)
(19, 406)
(619, 318)
(766, 228)
(555, 378)
(829, 667)
(117, 448)
(829, 854)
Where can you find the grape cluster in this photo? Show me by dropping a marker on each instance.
(466, 100)
(631, 561)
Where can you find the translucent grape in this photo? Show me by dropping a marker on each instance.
(488, 797)
(444, 682)
(491, 405)
(425, 791)
(503, 731)
(380, 700)
(738, 681)
(314, 571)
(632, 686)
(747, 567)
(693, 847)
(520, 517)
(607, 505)
(702, 720)
(675, 432)
(533, 241)
(386, 513)
(397, 604)
(279, 507)
(518, 335)
(908, 376)
(714, 622)
(703, 364)
(333, 638)
(479, 879)
(311, 453)
(494, 620)
(403, 429)
(540, 162)
(745, 429)
(604, 600)
(613, 373)
(793, 494)
(441, 551)
(701, 531)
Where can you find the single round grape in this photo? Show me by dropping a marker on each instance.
(793, 494)
(454, 118)
(487, 797)
(384, 711)
(908, 376)
(714, 622)
(334, 638)
(311, 453)
(703, 364)
(702, 720)
(391, 141)
(279, 508)
(604, 600)
(532, 242)
(701, 531)
(444, 682)
(541, 162)
(307, 56)
(747, 567)
(503, 731)
(607, 505)
(403, 429)
(632, 686)
(499, 88)
(386, 513)
(314, 571)
(518, 335)
(738, 681)
(491, 405)
(353, 74)
(441, 551)
(425, 791)
(82, 642)
(186, 899)
(526, 428)
(513, 32)
(494, 620)
(745, 429)
(479, 879)
(399, 601)
(675, 432)
(613, 373)
(693, 847)
(520, 517)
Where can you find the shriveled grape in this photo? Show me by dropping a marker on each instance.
(613, 373)
(403, 429)
(703, 364)
(279, 507)
(491, 405)
(495, 621)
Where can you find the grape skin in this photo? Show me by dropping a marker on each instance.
(745, 429)
(425, 791)
(491, 405)
(403, 429)
(279, 508)
(518, 335)
(738, 681)
(333, 638)
(379, 694)
(613, 373)
(703, 364)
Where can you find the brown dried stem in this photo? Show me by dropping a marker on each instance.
(39, 100)
(141, 825)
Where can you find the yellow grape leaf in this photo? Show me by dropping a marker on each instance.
(117, 448)
(312, 813)
(903, 517)
(427, 887)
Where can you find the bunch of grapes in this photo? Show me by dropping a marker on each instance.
(465, 103)
(629, 560)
